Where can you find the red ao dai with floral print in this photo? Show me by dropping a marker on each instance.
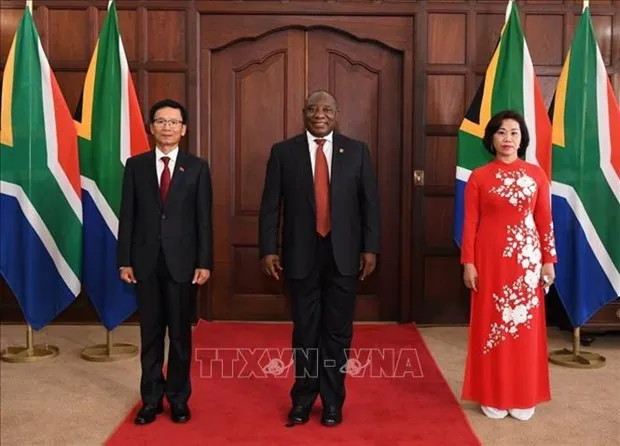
(508, 236)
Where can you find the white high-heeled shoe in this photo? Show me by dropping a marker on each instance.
(492, 412)
(522, 414)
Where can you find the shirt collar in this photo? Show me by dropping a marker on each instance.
(329, 137)
(172, 155)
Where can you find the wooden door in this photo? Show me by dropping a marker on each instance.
(255, 101)
(367, 81)
(256, 76)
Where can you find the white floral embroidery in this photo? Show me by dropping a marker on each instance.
(517, 300)
(549, 241)
(516, 186)
(523, 238)
(515, 304)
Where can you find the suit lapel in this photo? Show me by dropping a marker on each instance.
(178, 177)
(151, 168)
(337, 165)
(305, 167)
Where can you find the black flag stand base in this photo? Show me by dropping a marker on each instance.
(109, 352)
(29, 352)
(576, 358)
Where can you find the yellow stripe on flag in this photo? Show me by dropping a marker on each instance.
(6, 124)
(472, 128)
(485, 107)
(84, 128)
(477, 129)
(560, 105)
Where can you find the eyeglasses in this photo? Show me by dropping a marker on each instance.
(174, 123)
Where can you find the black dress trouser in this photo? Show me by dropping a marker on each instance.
(164, 303)
(323, 306)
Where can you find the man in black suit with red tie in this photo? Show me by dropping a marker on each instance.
(165, 247)
(325, 182)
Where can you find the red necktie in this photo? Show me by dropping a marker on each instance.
(164, 182)
(321, 190)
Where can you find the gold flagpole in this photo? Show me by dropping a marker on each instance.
(109, 351)
(577, 358)
(29, 352)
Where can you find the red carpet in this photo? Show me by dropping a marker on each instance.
(414, 408)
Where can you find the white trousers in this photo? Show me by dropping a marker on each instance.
(497, 414)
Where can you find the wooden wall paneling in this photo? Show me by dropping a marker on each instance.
(68, 35)
(615, 66)
(165, 84)
(488, 29)
(547, 33)
(471, 39)
(440, 151)
(439, 214)
(616, 45)
(442, 28)
(9, 21)
(445, 99)
(161, 42)
(449, 302)
(166, 31)
(448, 89)
(314, 7)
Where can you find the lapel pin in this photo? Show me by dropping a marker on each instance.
(182, 169)
(341, 150)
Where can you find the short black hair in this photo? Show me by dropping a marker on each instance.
(496, 122)
(320, 93)
(168, 103)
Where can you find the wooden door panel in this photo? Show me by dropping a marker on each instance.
(255, 85)
(366, 79)
(395, 32)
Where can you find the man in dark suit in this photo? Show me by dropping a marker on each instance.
(330, 233)
(165, 247)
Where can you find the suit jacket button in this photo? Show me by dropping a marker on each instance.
(163, 216)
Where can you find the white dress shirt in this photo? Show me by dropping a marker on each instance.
(327, 150)
(159, 164)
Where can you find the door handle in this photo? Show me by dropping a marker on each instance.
(418, 177)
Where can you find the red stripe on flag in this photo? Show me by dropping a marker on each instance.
(614, 128)
(66, 136)
(543, 131)
(138, 140)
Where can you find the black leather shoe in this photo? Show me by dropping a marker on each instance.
(148, 412)
(331, 416)
(299, 414)
(180, 413)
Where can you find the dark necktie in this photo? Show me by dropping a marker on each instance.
(321, 190)
(164, 182)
